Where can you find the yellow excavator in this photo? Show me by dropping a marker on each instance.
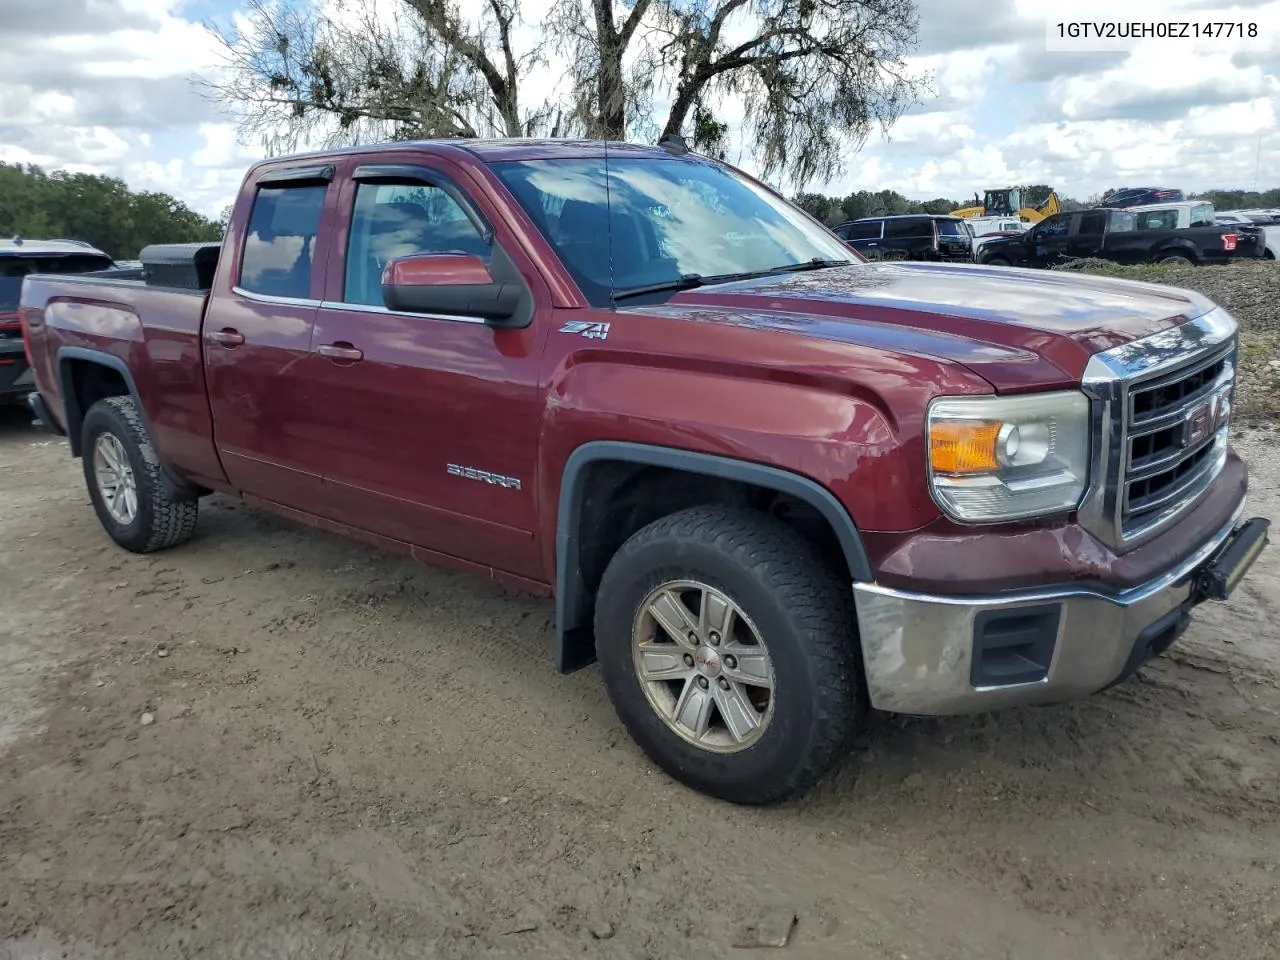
(1007, 202)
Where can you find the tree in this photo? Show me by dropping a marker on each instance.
(813, 77)
(100, 210)
(426, 71)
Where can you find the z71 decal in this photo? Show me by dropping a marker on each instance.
(592, 331)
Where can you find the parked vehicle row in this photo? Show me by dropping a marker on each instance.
(1170, 233)
(18, 258)
(1268, 220)
(771, 486)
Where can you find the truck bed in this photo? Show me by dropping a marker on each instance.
(133, 327)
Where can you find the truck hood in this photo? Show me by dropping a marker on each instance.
(979, 316)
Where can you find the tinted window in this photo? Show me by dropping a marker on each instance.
(951, 228)
(864, 230)
(13, 269)
(398, 220)
(1119, 221)
(655, 219)
(281, 241)
(908, 229)
(1158, 220)
(1093, 223)
(1202, 215)
(1053, 227)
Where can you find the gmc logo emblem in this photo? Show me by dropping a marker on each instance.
(1205, 419)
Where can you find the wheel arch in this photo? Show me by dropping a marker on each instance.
(575, 597)
(1177, 248)
(69, 361)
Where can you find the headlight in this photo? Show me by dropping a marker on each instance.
(1008, 458)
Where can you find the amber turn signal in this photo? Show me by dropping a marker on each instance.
(964, 446)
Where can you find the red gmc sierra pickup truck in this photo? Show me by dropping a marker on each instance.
(770, 485)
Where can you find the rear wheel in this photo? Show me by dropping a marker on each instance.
(138, 505)
(729, 650)
(1175, 259)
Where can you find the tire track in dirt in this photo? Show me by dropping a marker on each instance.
(352, 752)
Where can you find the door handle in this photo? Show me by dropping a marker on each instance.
(227, 337)
(340, 352)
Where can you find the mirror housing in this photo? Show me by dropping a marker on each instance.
(456, 284)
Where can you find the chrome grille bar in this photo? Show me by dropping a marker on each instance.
(1149, 466)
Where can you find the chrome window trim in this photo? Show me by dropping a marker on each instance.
(1109, 378)
(358, 307)
(270, 298)
(374, 308)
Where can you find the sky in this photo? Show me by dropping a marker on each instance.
(112, 87)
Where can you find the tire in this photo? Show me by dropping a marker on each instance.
(796, 604)
(1175, 258)
(163, 514)
(996, 262)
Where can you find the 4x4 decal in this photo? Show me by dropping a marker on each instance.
(584, 328)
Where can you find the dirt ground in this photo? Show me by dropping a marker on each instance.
(353, 756)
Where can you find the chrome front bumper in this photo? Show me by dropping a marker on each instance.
(929, 655)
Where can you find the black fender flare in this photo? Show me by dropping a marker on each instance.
(74, 416)
(575, 641)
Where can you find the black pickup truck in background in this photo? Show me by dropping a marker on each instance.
(1112, 234)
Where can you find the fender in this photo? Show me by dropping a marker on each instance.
(74, 416)
(575, 641)
(1177, 245)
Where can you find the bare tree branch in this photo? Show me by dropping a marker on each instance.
(294, 75)
(813, 78)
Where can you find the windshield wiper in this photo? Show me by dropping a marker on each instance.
(817, 263)
(691, 280)
(686, 282)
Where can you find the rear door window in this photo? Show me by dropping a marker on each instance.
(281, 241)
(1092, 224)
(864, 230)
(908, 229)
(1202, 215)
(1158, 220)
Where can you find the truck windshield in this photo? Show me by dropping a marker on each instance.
(13, 269)
(655, 221)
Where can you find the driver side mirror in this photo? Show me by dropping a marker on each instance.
(458, 284)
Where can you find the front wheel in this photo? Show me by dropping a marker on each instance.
(729, 650)
(996, 262)
(138, 505)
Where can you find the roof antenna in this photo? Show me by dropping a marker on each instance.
(674, 143)
(17, 239)
(608, 222)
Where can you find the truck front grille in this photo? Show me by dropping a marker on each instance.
(1175, 439)
(1161, 412)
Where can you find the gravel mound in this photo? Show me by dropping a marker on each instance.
(1250, 292)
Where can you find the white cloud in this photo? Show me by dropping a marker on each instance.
(106, 87)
